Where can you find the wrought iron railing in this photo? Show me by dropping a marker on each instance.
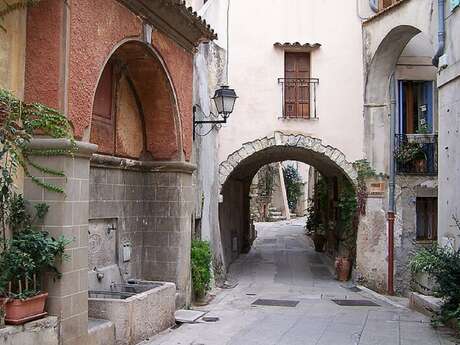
(425, 160)
(299, 97)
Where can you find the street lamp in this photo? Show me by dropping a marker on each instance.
(224, 99)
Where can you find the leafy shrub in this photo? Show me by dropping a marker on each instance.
(29, 253)
(293, 183)
(443, 264)
(201, 267)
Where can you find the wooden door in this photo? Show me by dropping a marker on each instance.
(297, 85)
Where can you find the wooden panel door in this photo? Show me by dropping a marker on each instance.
(297, 85)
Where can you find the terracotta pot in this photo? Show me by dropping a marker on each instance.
(343, 267)
(319, 241)
(420, 165)
(19, 311)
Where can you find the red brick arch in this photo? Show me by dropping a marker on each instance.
(157, 102)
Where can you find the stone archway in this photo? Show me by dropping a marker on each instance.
(314, 146)
(237, 172)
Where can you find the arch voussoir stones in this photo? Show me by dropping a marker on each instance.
(280, 139)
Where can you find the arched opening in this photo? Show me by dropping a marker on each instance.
(237, 177)
(134, 110)
(404, 58)
(138, 223)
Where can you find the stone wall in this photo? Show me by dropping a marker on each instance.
(40, 332)
(153, 212)
(449, 134)
(372, 247)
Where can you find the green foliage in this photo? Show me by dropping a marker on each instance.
(317, 207)
(365, 171)
(348, 205)
(293, 183)
(443, 264)
(29, 252)
(201, 267)
(408, 152)
(19, 121)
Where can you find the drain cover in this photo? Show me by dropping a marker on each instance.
(355, 303)
(276, 302)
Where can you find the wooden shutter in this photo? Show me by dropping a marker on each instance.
(297, 85)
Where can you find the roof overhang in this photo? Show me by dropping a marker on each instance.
(175, 19)
(297, 46)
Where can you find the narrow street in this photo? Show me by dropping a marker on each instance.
(284, 266)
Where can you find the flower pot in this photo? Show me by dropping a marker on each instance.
(18, 312)
(343, 268)
(319, 241)
(420, 165)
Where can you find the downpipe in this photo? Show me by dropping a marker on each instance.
(392, 184)
(441, 33)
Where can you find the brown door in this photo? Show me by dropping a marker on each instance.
(297, 85)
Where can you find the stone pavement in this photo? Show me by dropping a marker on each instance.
(283, 265)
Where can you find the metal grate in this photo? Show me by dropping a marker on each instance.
(276, 303)
(355, 303)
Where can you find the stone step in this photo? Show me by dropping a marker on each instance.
(100, 332)
(277, 218)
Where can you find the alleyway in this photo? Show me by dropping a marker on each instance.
(283, 265)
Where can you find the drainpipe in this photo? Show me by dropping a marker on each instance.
(441, 33)
(392, 183)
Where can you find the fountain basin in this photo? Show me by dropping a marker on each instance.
(138, 310)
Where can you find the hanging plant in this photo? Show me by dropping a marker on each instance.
(364, 171)
(409, 152)
(293, 183)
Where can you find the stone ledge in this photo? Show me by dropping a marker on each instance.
(427, 305)
(83, 149)
(104, 161)
(43, 331)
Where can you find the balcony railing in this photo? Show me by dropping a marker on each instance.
(299, 97)
(425, 154)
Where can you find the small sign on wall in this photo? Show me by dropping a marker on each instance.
(376, 189)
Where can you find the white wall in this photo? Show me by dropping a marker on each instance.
(255, 66)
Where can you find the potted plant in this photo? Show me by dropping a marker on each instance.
(348, 214)
(27, 255)
(315, 228)
(411, 153)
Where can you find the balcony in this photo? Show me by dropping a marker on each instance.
(416, 154)
(299, 97)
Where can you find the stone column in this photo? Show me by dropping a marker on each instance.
(67, 216)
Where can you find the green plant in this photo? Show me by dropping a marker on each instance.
(364, 171)
(19, 121)
(443, 264)
(293, 183)
(408, 152)
(348, 206)
(316, 217)
(29, 253)
(201, 267)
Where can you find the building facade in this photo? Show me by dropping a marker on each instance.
(122, 73)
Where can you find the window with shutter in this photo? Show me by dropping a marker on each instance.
(427, 219)
(297, 85)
